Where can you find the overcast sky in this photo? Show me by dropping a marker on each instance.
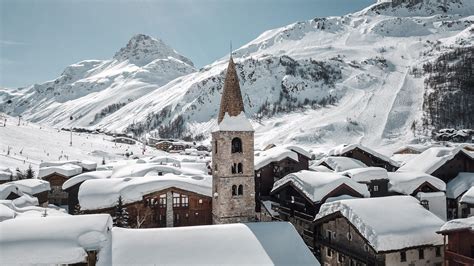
(39, 38)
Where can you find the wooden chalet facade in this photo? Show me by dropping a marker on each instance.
(163, 145)
(295, 207)
(170, 207)
(338, 242)
(369, 159)
(57, 195)
(461, 162)
(459, 245)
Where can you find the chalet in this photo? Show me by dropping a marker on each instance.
(301, 194)
(412, 149)
(394, 230)
(34, 187)
(459, 241)
(71, 186)
(72, 240)
(467, 203)
(9, 192)
(179, 146)
(442, 162)
(151, 201)
(124, 140)
(274, 243)
(275, 163)
(340, 164)
(375, 178)
(429, 190)
(202, 148)
(86, 165)
(455, 190)
(366, 155)
(6, 175)
(56, 176)
(163, 145)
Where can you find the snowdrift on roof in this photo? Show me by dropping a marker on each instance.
(407, 182)
(66, 170)
(389, 223)
(256, 243)
(462, 182)
(432, 159)
(458, 224)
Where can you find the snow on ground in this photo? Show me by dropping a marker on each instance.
(104, 193)
(33, 144)
(407, 182)
(389, 223)
(317, 185)
(230, 244)
(55, 240)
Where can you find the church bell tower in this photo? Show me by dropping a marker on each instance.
(233, 183)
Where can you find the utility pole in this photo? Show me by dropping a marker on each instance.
(70, 129)
(19, 119)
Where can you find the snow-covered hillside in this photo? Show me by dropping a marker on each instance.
(354, 78)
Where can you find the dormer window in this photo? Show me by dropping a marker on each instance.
(236, 145)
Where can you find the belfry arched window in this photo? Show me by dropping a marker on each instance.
(241, 190)
(236, 145)
(240, 168)
(234, 168)
(234, 190)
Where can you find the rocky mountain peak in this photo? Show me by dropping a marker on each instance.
(141, 49)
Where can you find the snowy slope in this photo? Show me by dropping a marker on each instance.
(354, 78)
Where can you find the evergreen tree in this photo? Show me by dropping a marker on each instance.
(103, 160)
(121, 215)
(19, 174)
(29, 174)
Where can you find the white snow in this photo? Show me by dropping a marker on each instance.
(340, 164)
(234, 123)
(436, 203)
(5, 174)
(468, 197)
(278, 153)
(407, 182)
(66, 170)
(55, 240)
(342, 149)
(458, 224)
(366, 174)
(86, 176)
(31, 186)
(317, 185)
(6, 189)
(230, 244)
(140, 169)
(460, 184)
(389, 223)
(433, 158)
(104, 193)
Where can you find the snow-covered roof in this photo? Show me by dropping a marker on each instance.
(433, 158)
(27, 207)
(104, 193)
(460, 184)
(5, 174)
(277, 154)
(342, 149)
(256, 243)
(55, 239)
(6, 189)
(317, 185)
(86, 176)
(32, 186)
(366, 174)
(458, 224)
(86, 164)
(403, 158)
(407, 182)
(340, 164)
(389, 223)
(67, 170)
(320, 168)
(419, 148)
(143, 169)
(468, 197)
(161, 160)
(234, 123)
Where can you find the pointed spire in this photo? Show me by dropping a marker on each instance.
(231, 101)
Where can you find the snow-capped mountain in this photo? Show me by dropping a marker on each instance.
(363, 77)
(90, 90)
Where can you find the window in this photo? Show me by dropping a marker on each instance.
(403, 256)
(163, 201)
(215, 146)
(241, 190)
(340, 258)
(329, 235)
(234, 190)
(236, 145)
(421, 254)
(184, 201)
(234, 168)
(438, 252)
(425, 204)
(349, 236)
(200, 201)
(240, 168)
(176, 197)
(160, 173)
(376, 188)
(328, 252)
